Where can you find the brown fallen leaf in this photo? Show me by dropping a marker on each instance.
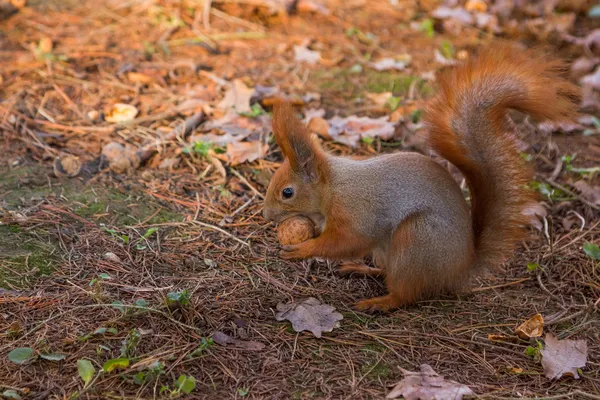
(137, 77)
(531, 328)
(121, 113)
(237, 97)
(350, 130)
(240, 152)
(427, 384)
(592, 80)
(226, 340)
(563, 357)
(386, 64)
(589, 192)
(501, 338)
(304, 54)
(309, 315)
(380, 99)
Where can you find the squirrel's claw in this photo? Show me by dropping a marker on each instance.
(294, 252)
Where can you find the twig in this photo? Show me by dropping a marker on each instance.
(224, 232)
(571, 193)
(245, 181)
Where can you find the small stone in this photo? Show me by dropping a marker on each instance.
(112, 257)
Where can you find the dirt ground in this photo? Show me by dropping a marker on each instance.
(148, 264)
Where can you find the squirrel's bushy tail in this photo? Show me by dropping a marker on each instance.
(469, 125)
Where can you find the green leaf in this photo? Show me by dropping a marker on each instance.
(86, 370)
(531, 351)
(115, 363)
(149, 232)
(447, 49)
(104, 276)
(21, 355)
(53, 357)
(100, 331)
(141, 303)
(356, 69)
(112, 331)
(531, 267)
(243, 392)
(117, 304)
(125, 239)
(393, 102)
(427, 27)
(186, 383)
(11, 394)
(139, 378)
(592, 250)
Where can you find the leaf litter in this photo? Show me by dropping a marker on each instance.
(427, 385)
(562, 358)
(309, 315)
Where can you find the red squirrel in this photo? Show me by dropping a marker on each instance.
(405, 209)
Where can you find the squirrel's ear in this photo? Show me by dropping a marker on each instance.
(296, 144)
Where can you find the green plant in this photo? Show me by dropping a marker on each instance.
(130, 343)
(592, 250)
(86, 371)
(181, 298)
(427, 26)
(22, 355)
(447, 49)
(255, 111)
(535, 351)
(532, 267)
(205, 343)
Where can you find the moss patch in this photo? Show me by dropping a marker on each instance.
(352, 85)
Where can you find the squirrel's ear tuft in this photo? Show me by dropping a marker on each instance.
(296, 144)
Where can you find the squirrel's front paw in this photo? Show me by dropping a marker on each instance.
(296, 251)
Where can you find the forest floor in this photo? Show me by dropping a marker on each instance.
(163, 261)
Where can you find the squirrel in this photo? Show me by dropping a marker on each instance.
(404, 208)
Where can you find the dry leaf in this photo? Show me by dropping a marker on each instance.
(121, 113)
(457, 14)
(304, 54)
(536, 212)
(45, 45)
(592, 80)
(439, 58)
(501, 338)
(237, 97)
(386, 64)
(240, 152)
(531, 328)
(476, 5)
(563, 357)
(428, 385)
(309, 315)
(137, 77)
(319, 126)
(380, 99)
(226, 340)
(589, 192)
(351, 129)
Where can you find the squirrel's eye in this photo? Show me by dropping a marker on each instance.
(287, 193)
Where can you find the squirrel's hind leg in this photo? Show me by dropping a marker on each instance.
(348, 268)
